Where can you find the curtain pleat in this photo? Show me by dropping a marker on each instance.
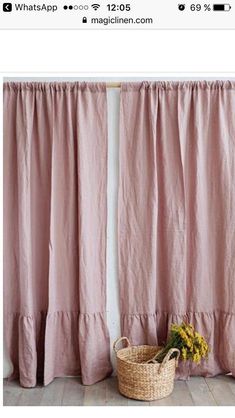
(55, 163)
(176, 216)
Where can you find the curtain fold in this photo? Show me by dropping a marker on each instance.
(55, 180)
(176, 215)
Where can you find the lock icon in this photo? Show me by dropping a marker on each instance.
(84, 20)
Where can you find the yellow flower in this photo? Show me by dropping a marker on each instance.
(189, 331)
(192, 345)
(185, 338)
(196, 358)
(184, 353)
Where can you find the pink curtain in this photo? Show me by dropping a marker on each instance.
(177, 215)
(55, 175)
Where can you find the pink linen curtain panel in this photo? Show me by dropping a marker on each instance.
(177, 215)
(55, 175)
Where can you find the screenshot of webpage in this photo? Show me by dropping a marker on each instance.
(117, 206)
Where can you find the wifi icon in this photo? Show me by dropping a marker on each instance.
(95, 6)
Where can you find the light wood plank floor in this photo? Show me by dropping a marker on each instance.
(69, 392)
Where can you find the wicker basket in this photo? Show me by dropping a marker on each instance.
(140, 376)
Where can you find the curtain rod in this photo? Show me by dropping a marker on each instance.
(113, 85)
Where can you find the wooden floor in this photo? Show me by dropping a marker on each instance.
(69, 392)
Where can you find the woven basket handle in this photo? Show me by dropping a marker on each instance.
(168, 356)
(118, 341)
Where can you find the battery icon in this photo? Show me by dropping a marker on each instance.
(222, 7)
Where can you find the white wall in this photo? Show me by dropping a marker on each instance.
(113, 316)
(113, 140)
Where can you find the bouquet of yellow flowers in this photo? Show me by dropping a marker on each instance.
(191, 344)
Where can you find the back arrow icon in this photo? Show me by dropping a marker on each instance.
(7, 7)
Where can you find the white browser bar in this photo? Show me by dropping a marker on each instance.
(129, 14)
